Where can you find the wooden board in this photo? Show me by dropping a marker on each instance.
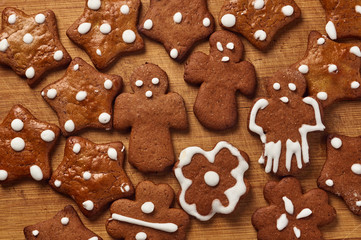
(27, 203)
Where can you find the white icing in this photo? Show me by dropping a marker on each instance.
(112, 154)
(76, 148)
(123, 148)
(40, 18)
(58, 55)
(4, 45)
(43, 93)
(230, 46)
(148, 24)
(336, 143)
(93, 238)
(321, 41)
(28, 38)
(125, 9)
(233, 194)
(260, 104)
(99, 52)
(329, 182)
(174, 53)
(225, 59)
(84, 28)
(64, 221)
(35, 233)
(155, 81)
(30, 72)
(331, 30)
(206, 22)
(288, 10)
(332, 68)
(272, 152)
(12, 19)
(292, 86)
(258, 4)
(356, 51)
(228, 20)
(358, 9)
(297, 232)
(284, 99)
(104, 118)
(282, 222)
(211, 178)
(303, 69)
(141, 236)
(36, 173)
(3, 175)
(165, 227)
(128, 36)
(81, 96)
(355, 85)
(139, 83)
(148, 94)
(219, 46)
(76, 67)
(69, 126)
(17, 144)
(288, 205)
(260, 35)
(94, 4)
(177, 17)
(293, 148)
(47, 136)
(276, 86)
(358, 203)
(87, 175)
(147, 207)
(17, 125)
(105, 28)
(124, 187)
(88, 205)
(52, 93)
(57, 183)
(304, 213)
(356, 168)
(322, 96)
(108, 84)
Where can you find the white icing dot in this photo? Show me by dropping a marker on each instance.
(356, 168)
(276, 86)
(94, 4)
(69, 126)
(174, 53)
(149, 94)
(139, 83)
(57, 183)
(329, 182)
(81, 96)
(64, 221)
(76, 148)
(99, 53)
(141, 236)
(322, 96)
(292, 86)
(58, 55)
(358, 203)
(52, 93)
(284, 99)
(35, 233)
(17, 125)
(40, 18)
(3, 175)
(331, 30)
(258, 4)
(36, 173)
(303, 69)
(84, 28)
(47, 136)
(128, 36)
(88, 205)
(87, 175)
(148, 24)
(108, 84)
(30, 72)
(332, 68)
(177, 17)
(358, 9)
(147, 207)
(43, 93)
(124, 9)
(230, 45)
(321, 41)
(113, 154)
(155, 81)
(260, 35)
(356, 51)
(228, 20)
(105, 28)
(336, 143)
(211, 178)
(28, 38)
(104, 118)
(225, 59)
(4, 45)
(219, 46)
(76, 67)
(17, 144)
(288, 10)
(93, 238)
(12, 19)
(355, 85)
(206, 22)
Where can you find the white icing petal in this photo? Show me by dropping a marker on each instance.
(321, 41)
(147, 207)
(4, 45)
(258, 4)
(356, 51)
(284, 99)
(125, 9)
(40, 18)
(113, 154)
(17, 125)
(104, 118)
(206, 22)
(36, 173)
(30, 73)
(219, 46)
(105, 28)
(108, 84)
(28, 38)
(228, 20)
(303, 69)
(230, 46)
(304, 213)
(64, 221)
(12, 19)
(58, 55)
(69, 126)
(149, 94)
(288, 10)
(276, 86)
(174, 53)
(88, 205)
(17, 144)
(225, 59)
(177, 18)
(141, 236)
(81, 96)
(356, 168)
(3, 175)
(87, 175)
(155, 81)
(128, 36)
(52, 93)
(288, 205)
(57, 183)
(84, 28)
(94, 4)
(332, 68)
(139, 83)
(76, 148)
(211, 178)
(331, 30)
(292, 86)
(336, 143)
(260, 35)
(329, 182)
(47, 136)
(282, 222)
(35, 233)
(297, 232)
(355, 85)
(322, 96)
(148, 24)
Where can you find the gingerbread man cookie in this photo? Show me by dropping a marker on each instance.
(107, 29)
(283, 121)
(83, 98)
(25, 146)
(177, 24)
(30, 44)
(292, 215)
(66, 224)
(149, 216)
(341, 173)
(211, 182)
(92, 174)
(221, 74)
(332, 70)
(258, 20)
(150, 111)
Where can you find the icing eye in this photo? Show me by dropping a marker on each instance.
(292, 86)
(219, 47)
(155, 81)
(139, 83)
(276, 86)
(230, 46)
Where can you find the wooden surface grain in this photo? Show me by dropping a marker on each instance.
(28, 202)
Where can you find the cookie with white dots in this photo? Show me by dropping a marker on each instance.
(30, 44)
(66, 224)
(25, 146)
(149, 216)
(92, 174)
(107, 29)
(83, 98)
(341, 173)
(177, 24)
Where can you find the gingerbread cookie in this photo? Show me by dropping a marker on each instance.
(341, 173)
(66, 224)
(150, 111)
(258, 20)
(332, 70)
(283, 121)
(211, 182)
(30, 44)
(292, 214)
(221, 75)
(177, 24)
(107, 29)
(343, 18)
(83, 98)
(92, 174)
(25, 146)
(149, 216)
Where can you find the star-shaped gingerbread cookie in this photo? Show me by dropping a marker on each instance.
(92, 174)
(177, 24)
(258, 20)
(343, 18)
(107, 29)
(332, 70)
(66, 224)
(25, 145)
(83, 98)
(30, 44)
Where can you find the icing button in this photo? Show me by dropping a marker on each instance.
(228, 20)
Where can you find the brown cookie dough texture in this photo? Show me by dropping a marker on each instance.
(66, 224)
(107, 29)
(292, 215)
(92, 174)
(332, 69)
(30, 44)
(150, 111)
(177, 24)
(258, 20)
(283, 121)
(343, 18)
(211, 182)
(221, 74)
(25, 146)
(341, 173)
(149, 216)
(83, 98)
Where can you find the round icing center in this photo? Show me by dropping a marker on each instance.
(211, 178)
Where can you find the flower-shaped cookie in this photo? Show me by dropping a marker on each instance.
(211, 182)
(291, 214)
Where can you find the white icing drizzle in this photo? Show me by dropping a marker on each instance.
(4, 45)
(17, 144)
(87, 175)
(284, 99)
(52, 93)
(303, 69)
(260, 104)
(282, 222)
(40, 18)
(329, 182)
(105, 28)
(322, 96)
(35, 233)
(356, 168)
(108, 84)
(225, 59)
(356, 51)
(76, 148)
(3, 175)
(233, 194)
(17, 125)
(47, 136)
(260, 35)
(358, 9)
(276, 86)
(30, 72)
(64, 221)
(336, 143)
(128, 36)
(125, 9)
(104, 118)
(177, 17)
(292, 87)
(258, 4)
(297, 232)
(293, 148)
(12, 19)
(355, 85)
(84, 28)
(211, 178)
(113, 154)
(321, 41)
(230, 46)
(228, 20)
(288, 205)
(57, 183)
(174, 53)
(94, 4)
(288, 10)
(219, 46)
(155, 81)
(332, 68)
(148, 24)
(88, 205)
(36, 173)
(28, 38)
(148, 94)
(206, 22)
(139, 83)
(331, 30)
(69, 126)
(147, 207)
(58, 55)
(141, 236)
(304, 213)
(272, 152)
(81, 96)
